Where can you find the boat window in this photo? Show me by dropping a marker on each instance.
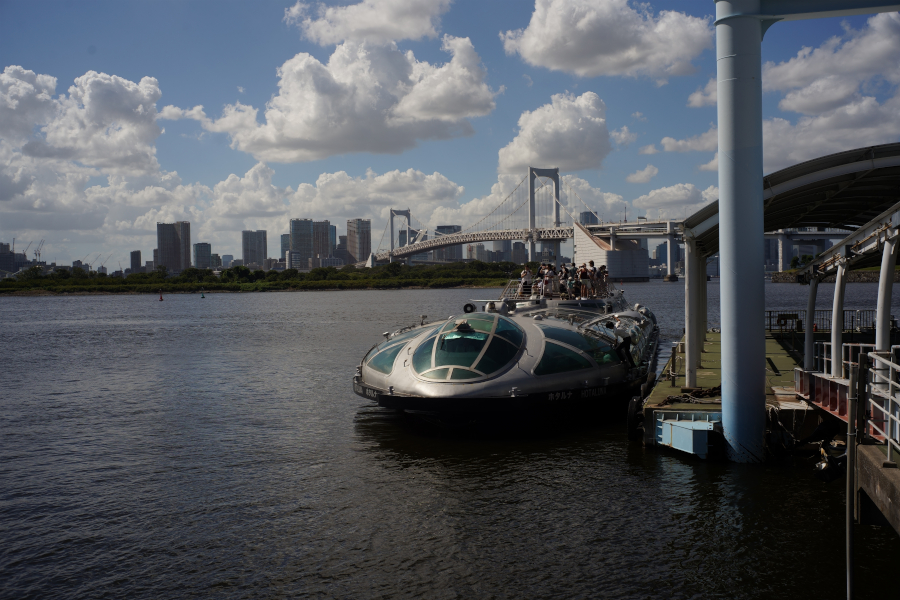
(486, 339)
(458, 373)
(496, 356)
(439, 374)
(459, 348)
(384, 360)
(558, 359)
(422, 355)
(406, 335)
(510, 331)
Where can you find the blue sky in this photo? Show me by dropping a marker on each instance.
(100, 137)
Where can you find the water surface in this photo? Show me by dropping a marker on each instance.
(213, 448)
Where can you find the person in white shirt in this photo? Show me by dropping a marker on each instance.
(623, 348)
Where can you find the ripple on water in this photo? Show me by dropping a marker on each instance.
(214, 449)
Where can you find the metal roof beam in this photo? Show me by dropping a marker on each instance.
(854, 248)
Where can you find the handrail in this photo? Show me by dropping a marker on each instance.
(884, 401)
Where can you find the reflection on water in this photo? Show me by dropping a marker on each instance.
(214, 448)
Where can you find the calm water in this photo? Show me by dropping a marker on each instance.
(213, 448)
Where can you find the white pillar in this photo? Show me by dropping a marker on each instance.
(612, 238)
(739, 93)
(885, 286)
(837, 321)
(670, 243)
(692, 303)
(704, 304)
(785, 252)
(809, 339)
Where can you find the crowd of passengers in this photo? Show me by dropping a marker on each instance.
(570, 282)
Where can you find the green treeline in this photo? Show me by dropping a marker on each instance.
(242, 279)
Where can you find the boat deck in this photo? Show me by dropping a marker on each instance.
(779, 375)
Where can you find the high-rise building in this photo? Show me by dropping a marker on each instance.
(215, 261)
(588, 218)
(332, 239)
(321, 239)
(254, 247)
(340, 250)
(285, 244)
(136, 261)
(519, 253)
(359, 239)
(302, 239)
(227, 259)
(449, 252)
(173, 240)
(202, 256)
(503, 250)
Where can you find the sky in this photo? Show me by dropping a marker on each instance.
(242, 115)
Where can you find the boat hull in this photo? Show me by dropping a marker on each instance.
(532, 404)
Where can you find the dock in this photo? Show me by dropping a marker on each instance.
(688, 419)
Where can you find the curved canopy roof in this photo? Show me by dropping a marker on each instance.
(845, 190)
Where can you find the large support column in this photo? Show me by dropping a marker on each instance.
(837, 320)
(704, 304)
(670, 250)
(785, 252)
(531, 225)
(391, 253)
(692, 301)
(739, 92)
(612, 238)
(670, 253)
(885, 286)
(809, 339)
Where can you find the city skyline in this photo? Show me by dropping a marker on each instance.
(102, 137)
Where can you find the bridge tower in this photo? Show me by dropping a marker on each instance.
(534, 173)
(398, 213)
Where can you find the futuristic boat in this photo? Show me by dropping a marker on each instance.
(514, 357)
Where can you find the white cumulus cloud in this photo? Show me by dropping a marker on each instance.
(648, 149)
(643, 175)
(367, 98)
(376, 21)
(569, 133)
(622, 136)
(677, 200)
(704, 142)
(609, 37)
(705, 96)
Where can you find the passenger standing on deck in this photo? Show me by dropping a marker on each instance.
(585, 277)
(526, 281)
(602, 283)
(592, 271)
(623, 348)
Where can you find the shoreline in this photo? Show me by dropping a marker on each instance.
(42, 292)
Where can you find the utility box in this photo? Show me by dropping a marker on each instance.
(688, 432)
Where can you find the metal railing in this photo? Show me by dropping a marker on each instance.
(823, 357)
(884, 401)
(786, 320)
(516, 290)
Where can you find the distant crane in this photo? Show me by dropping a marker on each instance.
(96, 258)
(37, 251)
(26, 249)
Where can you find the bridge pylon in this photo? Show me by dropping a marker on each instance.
(398, 213)
(553, 174)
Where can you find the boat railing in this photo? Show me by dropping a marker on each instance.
(884, 401)
(516, 289)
